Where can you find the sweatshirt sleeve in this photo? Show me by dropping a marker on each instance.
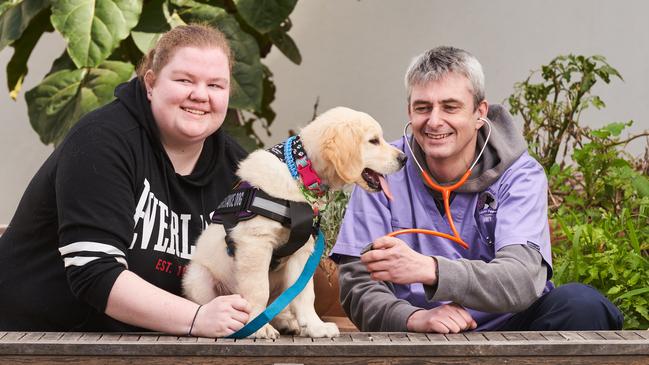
(511, 282)
(95, 200)
(371, 305)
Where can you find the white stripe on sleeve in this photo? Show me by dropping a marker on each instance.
(82, 260)
(86, 246)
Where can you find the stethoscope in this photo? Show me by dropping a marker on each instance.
(445, 190)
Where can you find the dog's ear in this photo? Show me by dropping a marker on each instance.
(341, 148)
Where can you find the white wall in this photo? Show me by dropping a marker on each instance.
(355, 54)
(21, 151)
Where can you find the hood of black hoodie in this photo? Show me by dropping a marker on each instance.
(132, 95)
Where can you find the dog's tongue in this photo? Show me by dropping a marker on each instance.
(385, 187)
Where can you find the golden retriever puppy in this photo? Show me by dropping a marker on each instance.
(345, 147)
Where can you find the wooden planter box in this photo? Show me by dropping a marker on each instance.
(327, 300)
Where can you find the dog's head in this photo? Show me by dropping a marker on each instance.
(347, 147)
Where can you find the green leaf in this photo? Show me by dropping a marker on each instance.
(94, 28)
(634, 279)
(615, 128)
(63, 97)
(601, 133)
(632, 293)
(4, 5)
(232, 125)
(265, 15)
(286, 44)
(614, 290)
(16, 17)
(153, 22)
(23, 47)
(641, 184)
(247, 73)
(266, 111)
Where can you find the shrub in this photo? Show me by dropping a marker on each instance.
(599, 201)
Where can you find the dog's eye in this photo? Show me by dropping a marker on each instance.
(374, 141)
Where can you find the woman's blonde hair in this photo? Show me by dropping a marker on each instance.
(191, 35)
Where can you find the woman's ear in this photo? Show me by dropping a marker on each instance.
(149, 80)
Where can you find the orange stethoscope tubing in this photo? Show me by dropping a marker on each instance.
(445, 190)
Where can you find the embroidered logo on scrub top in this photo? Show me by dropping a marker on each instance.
(485, 216)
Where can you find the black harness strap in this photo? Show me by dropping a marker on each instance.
(247, 202)
(301, 228)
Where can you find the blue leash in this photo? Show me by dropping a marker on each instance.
(288, 295)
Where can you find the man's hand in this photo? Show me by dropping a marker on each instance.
(392, 260)
(447, 318)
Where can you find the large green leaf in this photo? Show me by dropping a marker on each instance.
(64, 96)
(153, 23)
(5, 4)
(232, 125)
(265, 15)
(94, 28)
(247, 81)
(247, 73)
(23, 47)
(16, 17)
(285, 43)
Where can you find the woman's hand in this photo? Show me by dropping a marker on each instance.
(447, 318)
(221, 317)
(392, 260)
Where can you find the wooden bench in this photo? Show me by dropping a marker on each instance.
(602, 347)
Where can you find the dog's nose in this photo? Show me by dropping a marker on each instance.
(402, 158)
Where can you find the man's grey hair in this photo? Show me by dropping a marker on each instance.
(436, 63)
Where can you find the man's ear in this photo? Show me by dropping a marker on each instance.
(149, 80)
(483, 109)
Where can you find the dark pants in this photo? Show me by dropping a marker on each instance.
(570, 307)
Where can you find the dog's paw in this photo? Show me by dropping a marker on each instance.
(287, 326)
(322, 329)
(267, 331)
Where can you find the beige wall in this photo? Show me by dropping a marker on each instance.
(355, 54)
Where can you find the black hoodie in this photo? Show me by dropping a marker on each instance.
(106, 200)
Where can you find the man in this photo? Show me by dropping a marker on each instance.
(424, 283)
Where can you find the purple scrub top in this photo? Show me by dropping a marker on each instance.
(513, 210)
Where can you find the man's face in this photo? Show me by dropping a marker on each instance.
(445, 121)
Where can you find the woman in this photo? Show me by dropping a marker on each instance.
(104, 230)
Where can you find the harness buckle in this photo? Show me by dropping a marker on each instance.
(308, 175)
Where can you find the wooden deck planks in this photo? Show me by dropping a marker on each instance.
(629, 335)
(349, 348)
